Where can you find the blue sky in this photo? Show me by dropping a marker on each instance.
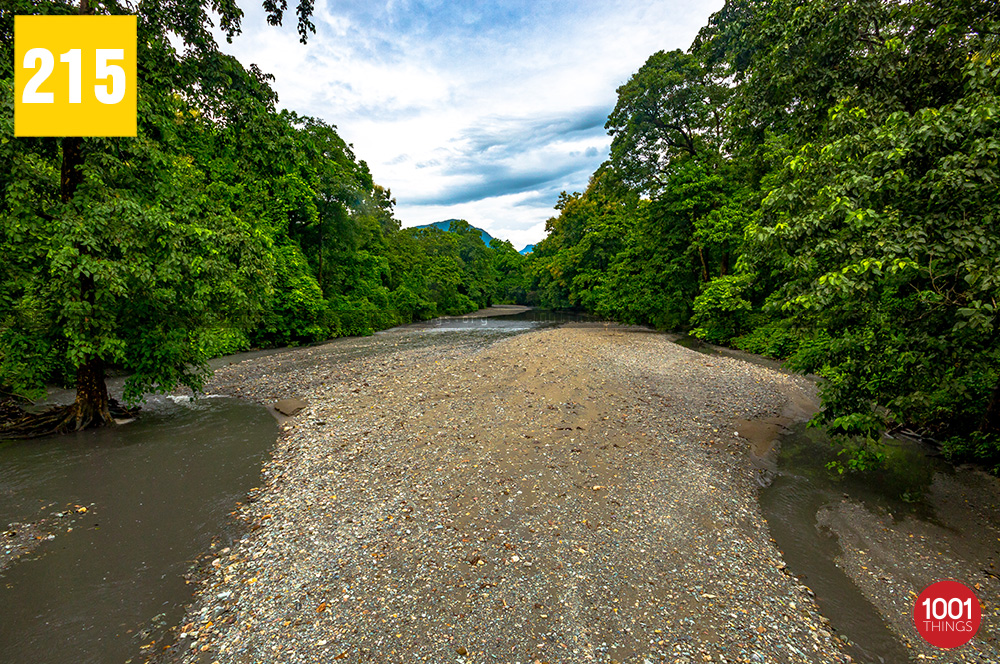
(483, 111)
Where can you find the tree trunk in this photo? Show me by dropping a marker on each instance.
(321, 288)
(991, 418)
(91, 406)
(704, 266)
(72, 160)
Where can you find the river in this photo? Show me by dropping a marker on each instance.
(130, 509)
(138, 503)
(157, 492)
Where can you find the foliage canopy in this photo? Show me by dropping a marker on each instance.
(817, 181)
(224, 224)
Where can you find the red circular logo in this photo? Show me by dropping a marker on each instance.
(947, 614)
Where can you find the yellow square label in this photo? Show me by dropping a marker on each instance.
(74, 76)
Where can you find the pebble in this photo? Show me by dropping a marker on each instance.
(598, 453)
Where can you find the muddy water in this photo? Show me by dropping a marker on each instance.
(156, 493)
(799, 490)
(803, 487)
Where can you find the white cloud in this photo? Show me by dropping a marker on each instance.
(442, 102)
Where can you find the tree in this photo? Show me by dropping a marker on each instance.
(508, 270)
(891, 230)
(120, 250)
(571, 264)
(670, 111)
(871, 127)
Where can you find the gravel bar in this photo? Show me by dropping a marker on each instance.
(577, 494)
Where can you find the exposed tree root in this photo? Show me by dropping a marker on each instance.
(17, 423)
(9, 410)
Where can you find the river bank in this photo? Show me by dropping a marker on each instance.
(572, 494)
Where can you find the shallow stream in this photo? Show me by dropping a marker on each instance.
(801, 488)
(156, 493)
(791, 503)
(138, 503)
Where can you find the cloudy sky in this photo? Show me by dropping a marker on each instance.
(475, 110)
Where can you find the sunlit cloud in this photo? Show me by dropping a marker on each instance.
(479, 110)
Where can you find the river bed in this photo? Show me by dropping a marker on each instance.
(120, 515)
(136, 505)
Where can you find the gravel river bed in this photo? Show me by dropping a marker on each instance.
(572, 494)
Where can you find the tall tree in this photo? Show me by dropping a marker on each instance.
(122, 249)
(669, 112)
(874, 126)
(894, 251)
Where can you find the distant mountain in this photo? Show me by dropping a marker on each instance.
(446, 226)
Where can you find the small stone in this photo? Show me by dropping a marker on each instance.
(289, 406)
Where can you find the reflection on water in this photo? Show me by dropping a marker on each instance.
(157, 491)
(518, 320)
(802, 487)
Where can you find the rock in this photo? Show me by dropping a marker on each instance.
(289, 406)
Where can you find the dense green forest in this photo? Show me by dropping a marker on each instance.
(815, 181)
(226, 224)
